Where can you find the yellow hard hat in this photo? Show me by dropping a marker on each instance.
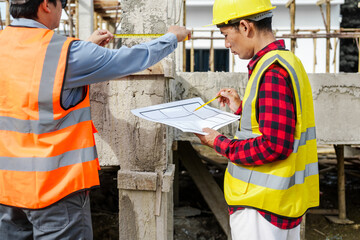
(226, 10)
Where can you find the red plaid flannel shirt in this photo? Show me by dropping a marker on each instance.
(276, 117)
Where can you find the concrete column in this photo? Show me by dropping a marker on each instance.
(146, 158)
(86, 18)
(141, 148)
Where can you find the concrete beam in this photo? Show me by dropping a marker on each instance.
(336, 100)
(146, 181)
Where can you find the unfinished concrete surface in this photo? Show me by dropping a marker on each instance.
(336, 101)
(141, 148)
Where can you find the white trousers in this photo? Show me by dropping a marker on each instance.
(248, 224)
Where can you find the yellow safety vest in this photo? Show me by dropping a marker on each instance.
(286, 187)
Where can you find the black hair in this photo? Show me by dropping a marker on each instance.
(262, 25)
(27, 10)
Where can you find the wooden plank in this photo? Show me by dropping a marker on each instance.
(109, 10)
(7, 19)
(192, 60)
(328, 45)
(1, 22)
(302, 228)
(337, 220)
(324, 211)
(319, 2)
(206, 184)
(287, 5)
(322, 35)
(212, 53)
(292, 23)
(110, 15)
(106, 3)
(339, 149)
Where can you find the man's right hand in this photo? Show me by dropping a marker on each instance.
(180, 32)
(101, 37)
(230, 97)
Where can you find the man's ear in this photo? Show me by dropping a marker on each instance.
(44, 6)
(245, 27)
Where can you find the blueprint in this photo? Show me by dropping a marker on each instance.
(181, 115)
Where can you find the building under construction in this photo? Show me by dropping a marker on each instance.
(143, 183)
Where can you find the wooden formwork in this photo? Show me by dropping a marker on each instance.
(105, 12)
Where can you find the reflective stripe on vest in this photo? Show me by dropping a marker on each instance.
(286, 187)
(272, 181)
(246, 133)
(49, 163)
(51, 62)
(46, 122)
(46, 125)
(46, 152)
(246, 115)
(310, 134)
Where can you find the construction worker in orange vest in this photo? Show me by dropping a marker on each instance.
(272, 175)
(48, 159)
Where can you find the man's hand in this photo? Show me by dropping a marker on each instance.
(101, 37)
(209, 139)
(230, 97)
(180, 32)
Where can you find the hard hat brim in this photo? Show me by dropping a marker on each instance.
(242, 17)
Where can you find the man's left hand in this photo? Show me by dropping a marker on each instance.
(209, 139)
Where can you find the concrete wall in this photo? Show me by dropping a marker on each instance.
(336, 102)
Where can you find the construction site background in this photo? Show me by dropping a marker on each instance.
(193, 219)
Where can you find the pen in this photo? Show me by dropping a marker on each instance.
(208, 102)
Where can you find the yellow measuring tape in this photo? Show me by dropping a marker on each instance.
(137, 35)
(141, 35)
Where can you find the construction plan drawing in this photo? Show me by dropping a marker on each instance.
(181, 115)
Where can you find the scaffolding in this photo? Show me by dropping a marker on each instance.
(7, 15)
(106, 13)
(324, 33)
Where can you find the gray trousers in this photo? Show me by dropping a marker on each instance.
(70, 218)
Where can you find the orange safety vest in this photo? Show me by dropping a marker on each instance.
(46, 152)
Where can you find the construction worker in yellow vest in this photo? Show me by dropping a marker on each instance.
(272, 175)
(48, 159)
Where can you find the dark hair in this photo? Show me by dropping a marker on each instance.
(27, 10)
(262, 25)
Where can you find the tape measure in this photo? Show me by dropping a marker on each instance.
(137, 35)
(141, 35)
